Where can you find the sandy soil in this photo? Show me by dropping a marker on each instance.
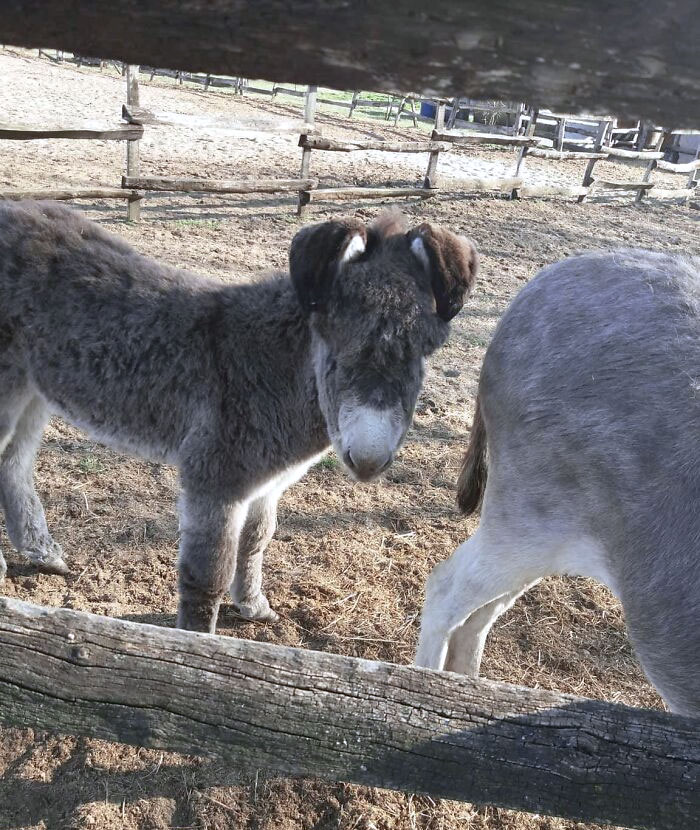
(348, 564)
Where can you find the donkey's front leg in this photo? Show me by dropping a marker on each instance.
(246, 589)
(210, 529)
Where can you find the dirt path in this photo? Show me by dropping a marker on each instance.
(347, 567)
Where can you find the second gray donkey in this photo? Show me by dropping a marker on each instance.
(242, 387)
(585, 449)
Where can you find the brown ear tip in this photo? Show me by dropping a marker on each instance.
(390, 222)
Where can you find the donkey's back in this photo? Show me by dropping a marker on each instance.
(589, 403)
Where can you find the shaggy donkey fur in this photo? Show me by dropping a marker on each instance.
(589, 404)
(241, 387)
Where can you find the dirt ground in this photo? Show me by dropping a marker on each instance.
(347, 567)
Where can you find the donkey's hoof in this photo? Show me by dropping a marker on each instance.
(54, 566)
(256, 611)
(48, 561)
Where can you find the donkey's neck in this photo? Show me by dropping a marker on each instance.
(269, 370)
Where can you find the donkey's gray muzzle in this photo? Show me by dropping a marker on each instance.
(369, 438)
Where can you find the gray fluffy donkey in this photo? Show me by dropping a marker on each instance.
(242, 387)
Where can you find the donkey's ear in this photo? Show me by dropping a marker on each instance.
(451, 261)
(316, 253)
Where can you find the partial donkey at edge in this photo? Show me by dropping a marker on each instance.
(589, 407)
(242, 387)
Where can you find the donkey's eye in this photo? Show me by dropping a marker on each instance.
(332, 365)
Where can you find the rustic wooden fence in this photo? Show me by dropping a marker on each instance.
(131, 133)
(302, 713)
(135, 181)
(135, 184)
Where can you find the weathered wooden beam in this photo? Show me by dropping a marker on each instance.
(303, 197)
(626, 58)
(369, 193)
(477, 185)
(319, 143)
(651, 165)
(370, 102)
(133, 166)
(139, 115)
(123, 132)
(556, 155)
(295, 93)
(332, 102)
(610, 185)
(463, 137)
(217, 185)
(544, 190)
(688, 167)
(78, 193)
(302, 713)
(132, 86)
(634, 155)
(598, 145)
(431, 179)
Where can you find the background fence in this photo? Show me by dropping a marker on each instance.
(519, 129)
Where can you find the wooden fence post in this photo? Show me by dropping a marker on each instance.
(599, 142)
(309, 118)
(653, 164)
(132, 146)
(399, 110)
(353, 103)
(522, 153)
(454, 112)
(440, 115)
(694, 177)
(560, 133)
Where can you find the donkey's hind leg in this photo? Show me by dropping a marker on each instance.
(481, 579)
(467, 641)
(24, 515)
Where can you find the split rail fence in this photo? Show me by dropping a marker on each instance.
(444, 140)
(131, 133)
(293, 712)
(135, 184)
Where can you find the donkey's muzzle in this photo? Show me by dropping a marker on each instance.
(366, 467)
(369, 438)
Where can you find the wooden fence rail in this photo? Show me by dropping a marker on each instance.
(164, 183)
(305, 713)
(131, 133)
(68, 194)
(320, 143)
(121, 132)
(557, 53)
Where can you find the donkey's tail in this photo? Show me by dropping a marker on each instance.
(472, 477)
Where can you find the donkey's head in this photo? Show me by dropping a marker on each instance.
(378, 299)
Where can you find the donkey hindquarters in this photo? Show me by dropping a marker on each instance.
(589, 405)
(241, 387)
